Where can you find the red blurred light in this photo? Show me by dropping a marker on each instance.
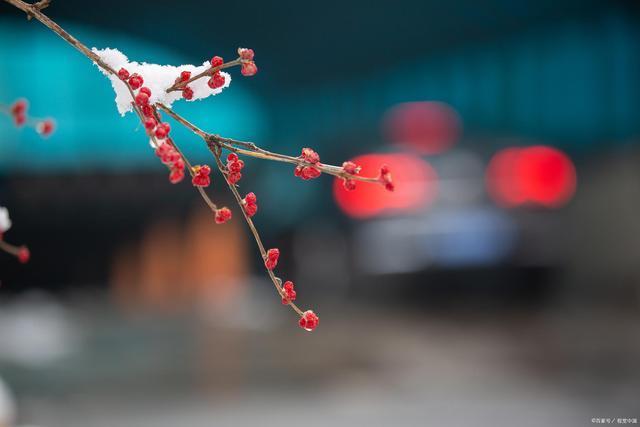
(427, 127)
(415, 186)
(536, 175)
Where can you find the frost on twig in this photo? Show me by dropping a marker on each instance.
(157, 78)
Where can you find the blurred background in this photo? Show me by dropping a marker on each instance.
(499, 285)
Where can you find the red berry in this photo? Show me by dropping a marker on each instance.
(23, 254)
(216, 80)
(251, 198)
(142, 99)
(45, 127)
(246, 54)
(146, 90)
(306, 172)
(179, 164)
(223, 215)
(234, 177)
(349, 184)
(176, 175)
(309, 321)
(351, 168)
(148, 110)
(135, 81)
(249, 69)
(385, 178)
(123, 74)
(216, 61)
(150, 123)
(187, 93)
(185, 75)
(201, 177)
(162, 130)
(19, 107)
(272, 259)
(234, 166)
(308, 155)
(19, 119)
(289, 292)
(250, 204)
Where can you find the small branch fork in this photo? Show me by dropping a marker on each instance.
(214, 142)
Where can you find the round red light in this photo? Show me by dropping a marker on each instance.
(538, 175)
(427, 127)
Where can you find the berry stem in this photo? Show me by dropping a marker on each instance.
(216, 151)
(9, 248)
(252, 150)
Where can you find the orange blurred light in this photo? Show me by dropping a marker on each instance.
(537, 175)
(415, 186)
(427, 127)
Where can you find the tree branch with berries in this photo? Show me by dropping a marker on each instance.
(149, 90)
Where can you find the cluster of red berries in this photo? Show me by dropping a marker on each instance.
(385, 178)
(309, 320)
(234, 167)
(250, 204)
(289, 292)
(223, 215)
(165, 150)
(217, 79)
(19, 113)
(201, 176)
(308, 172)
(170, 157)
(272, 258)
(187, 92)
(352, 169)
(249, 67)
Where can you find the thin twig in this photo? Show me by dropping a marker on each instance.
(9, 248)
(208, 72)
